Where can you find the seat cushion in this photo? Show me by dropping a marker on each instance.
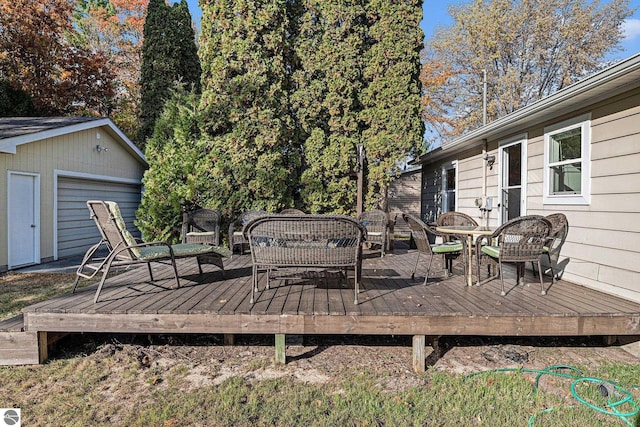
(181, 250)
(492, 251)
(201, 233)
(445, 248)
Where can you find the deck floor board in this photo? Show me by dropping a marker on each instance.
(322, 302)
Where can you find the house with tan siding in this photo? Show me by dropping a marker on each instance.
(576, 152)
(49, 168)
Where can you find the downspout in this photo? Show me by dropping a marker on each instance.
(484, 177)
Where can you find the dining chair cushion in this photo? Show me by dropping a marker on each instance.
(492, 251)
(446, 248)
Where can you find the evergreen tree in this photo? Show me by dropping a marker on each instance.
(248, 127)
(329, 46)
(169, 55)
(391, 97)
(177, 176)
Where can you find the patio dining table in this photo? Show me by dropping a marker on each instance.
(467, 231)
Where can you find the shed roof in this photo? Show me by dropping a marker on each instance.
(16, 131)
(612, 81)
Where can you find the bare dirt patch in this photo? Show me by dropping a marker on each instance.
(323, 359)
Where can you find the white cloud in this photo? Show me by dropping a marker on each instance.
(631, 29)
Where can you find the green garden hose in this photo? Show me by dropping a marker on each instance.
(555, 370)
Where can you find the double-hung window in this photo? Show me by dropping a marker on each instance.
(567, 162)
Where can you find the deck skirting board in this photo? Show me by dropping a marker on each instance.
(508, 325)
(19, 348)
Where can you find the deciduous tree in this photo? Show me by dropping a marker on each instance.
(529, 49)
(37, 57)
(115, 27)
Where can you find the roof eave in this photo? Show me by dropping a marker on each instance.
(9, 145)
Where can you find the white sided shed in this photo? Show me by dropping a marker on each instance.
(50, 167)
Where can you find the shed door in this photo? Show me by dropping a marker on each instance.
(76, 231)
(23, 219)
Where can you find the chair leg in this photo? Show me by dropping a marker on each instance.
(553, 274)
(426, 277)
(199, 265)
(107, 267)
(503, 293)
(415, 267)
(356, 286)
(150, 273)
(175, 271)
(254, 285)
(542, 290)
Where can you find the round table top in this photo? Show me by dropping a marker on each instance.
(466, 229)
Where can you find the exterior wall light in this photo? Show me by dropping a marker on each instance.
(100, 148)
(490, 160)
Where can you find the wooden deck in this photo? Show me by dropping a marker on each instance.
(391, 303)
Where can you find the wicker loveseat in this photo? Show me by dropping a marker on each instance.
(307, 241)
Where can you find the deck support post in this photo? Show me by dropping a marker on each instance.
(419, 342)
(43, 347)
(280, 358)
(229, 339)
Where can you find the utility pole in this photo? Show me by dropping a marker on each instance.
(484, 97)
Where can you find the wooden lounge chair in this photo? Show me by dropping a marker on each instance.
(518, 241)
(449, 250)
(376, 223)
(125, 250)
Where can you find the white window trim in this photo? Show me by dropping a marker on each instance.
(518, 139)
(583, 122)
(445, 167)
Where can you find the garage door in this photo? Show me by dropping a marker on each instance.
(76, 230)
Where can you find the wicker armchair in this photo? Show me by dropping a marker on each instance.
(236, 236)
(453, 219)
(519, 240)
(557, 237)
(449, 250)
(201, 226)
(376, 222)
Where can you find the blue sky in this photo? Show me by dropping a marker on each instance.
(435, 14)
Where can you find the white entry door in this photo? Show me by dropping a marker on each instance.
(513, 179)
(23, 219)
